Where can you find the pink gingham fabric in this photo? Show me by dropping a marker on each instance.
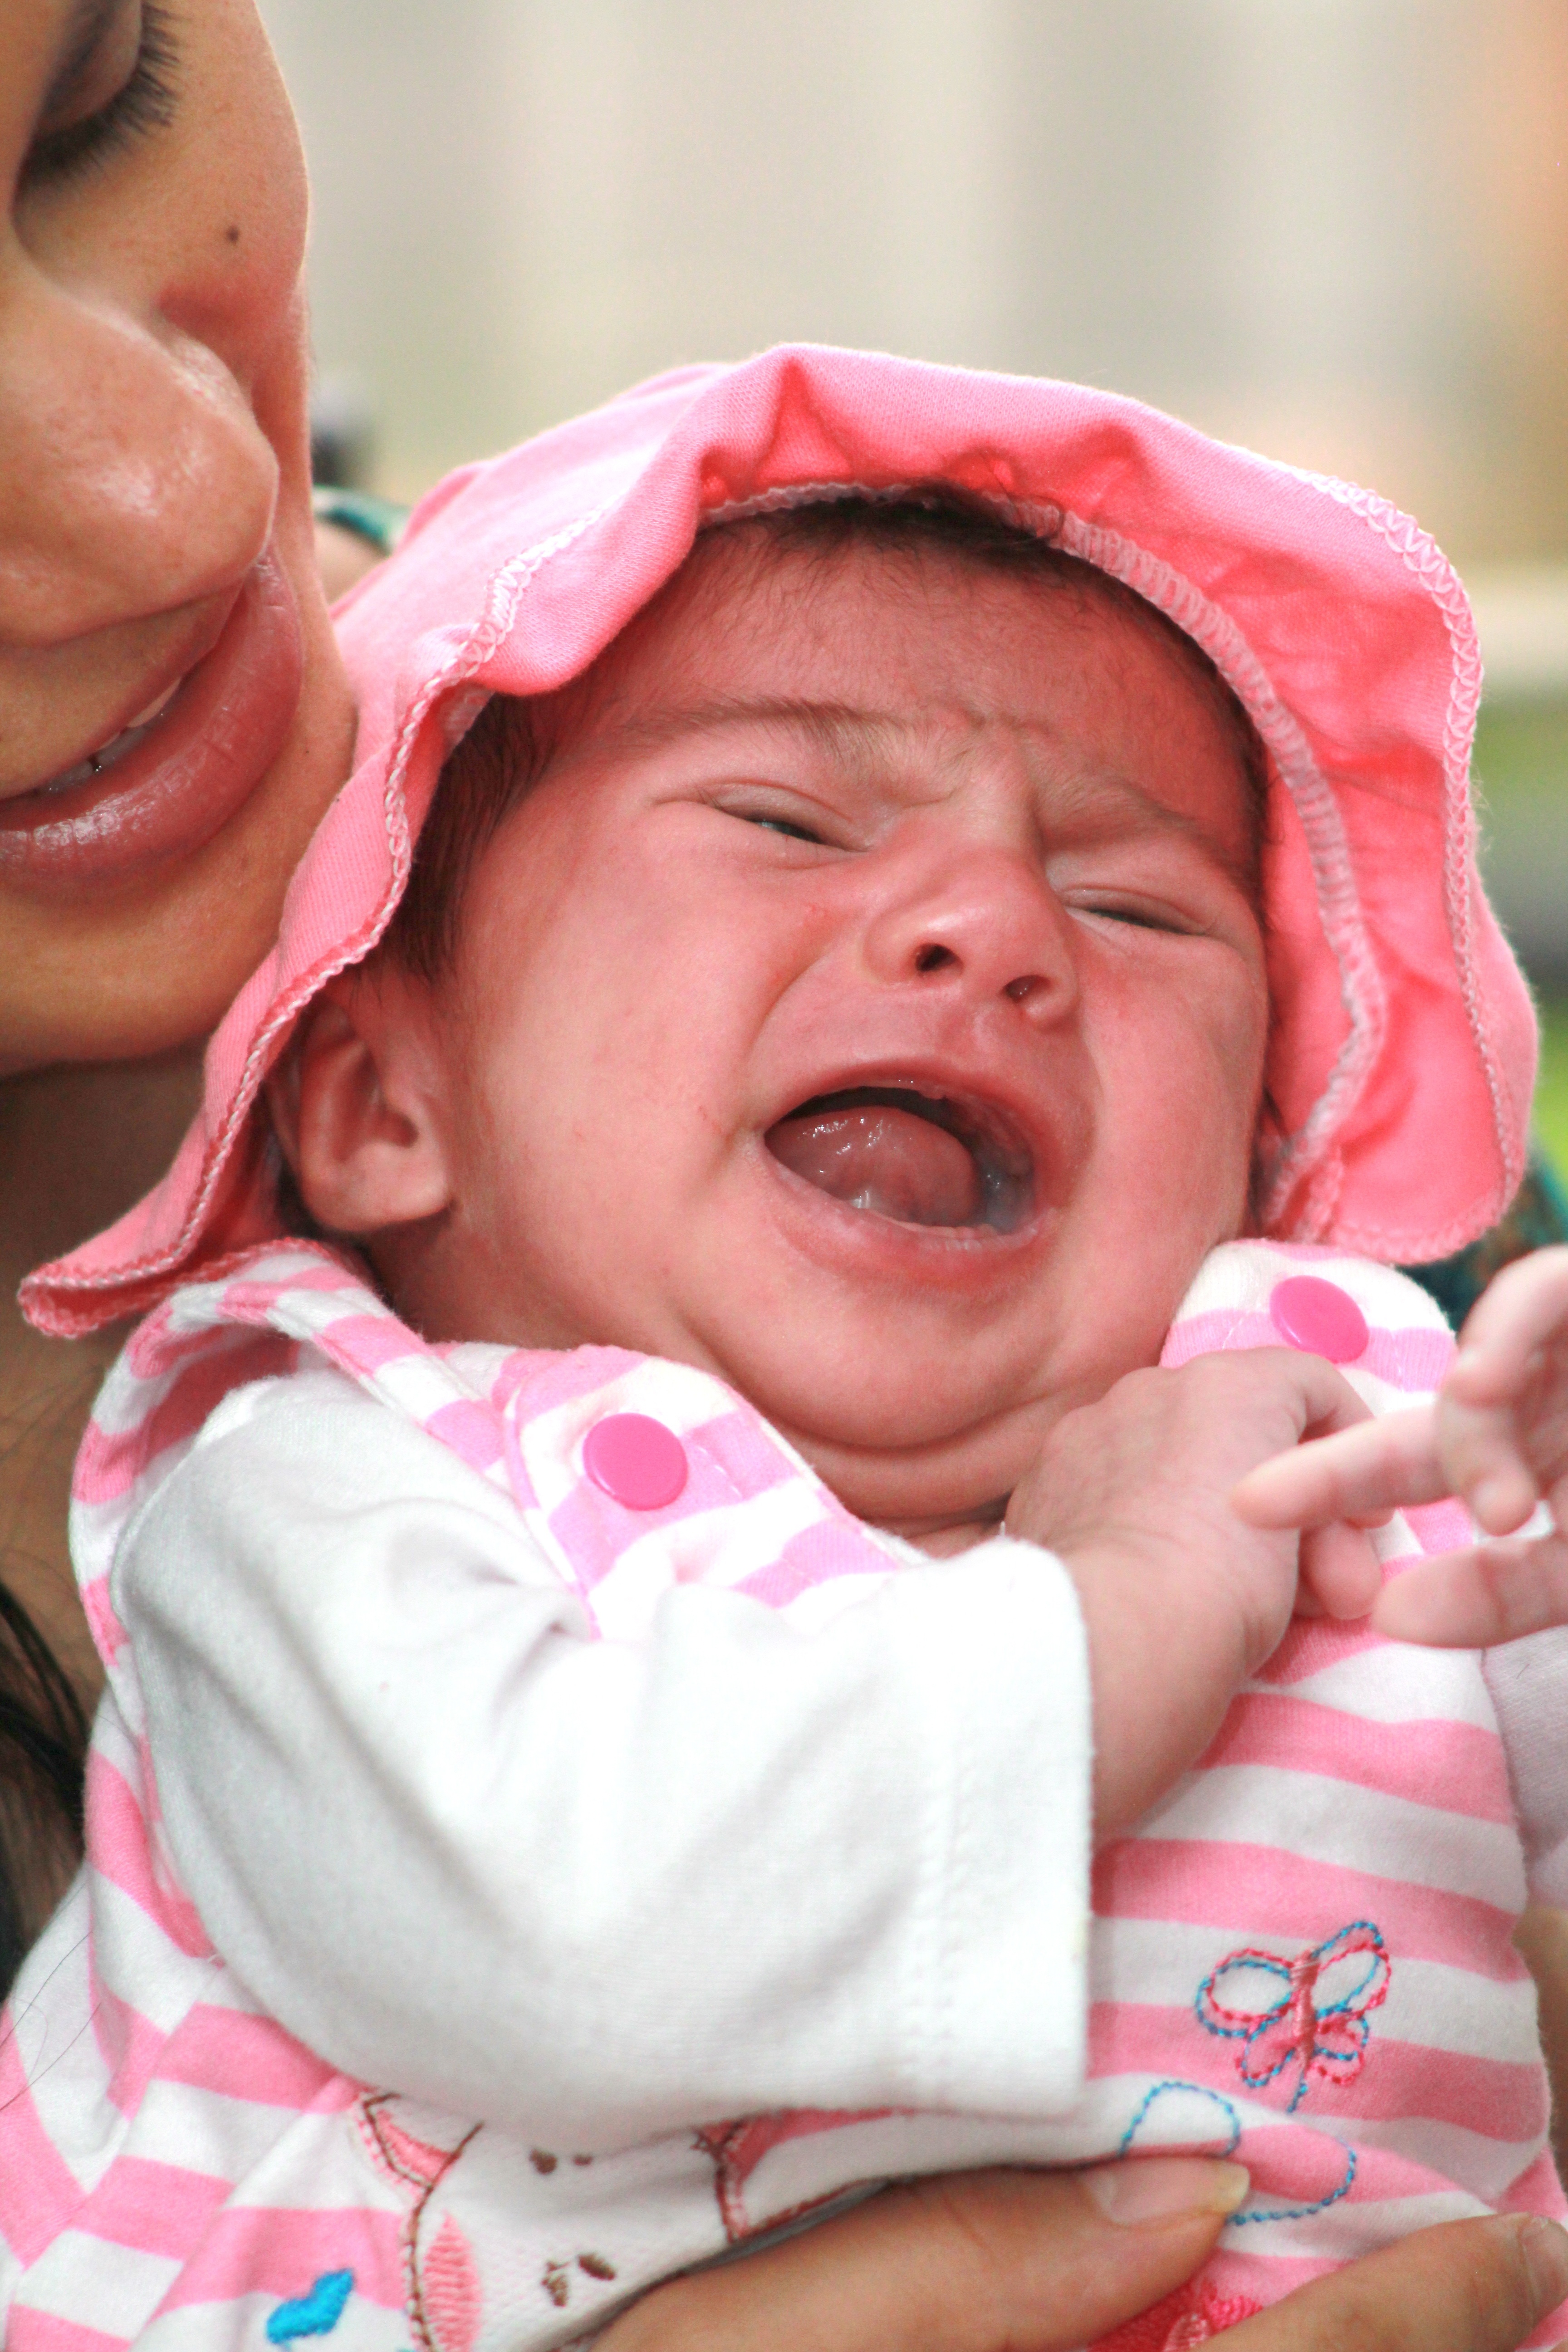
(1304, 1954)
(1399, 1014)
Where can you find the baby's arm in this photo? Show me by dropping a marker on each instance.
(1496, 1436)
(602, 1887)
(605, 1888)
(1181, 1601)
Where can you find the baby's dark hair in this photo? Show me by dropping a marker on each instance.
(512, 740)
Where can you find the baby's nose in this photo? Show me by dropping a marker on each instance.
(986, 923)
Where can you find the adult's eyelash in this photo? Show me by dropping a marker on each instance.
(145, 101)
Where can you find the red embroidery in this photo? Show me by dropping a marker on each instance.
(1190, 2316)
(1294, 2030)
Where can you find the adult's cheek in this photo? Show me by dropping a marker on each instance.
(133, 475)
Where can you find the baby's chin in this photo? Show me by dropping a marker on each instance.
(899, 1446)
(920, 1429)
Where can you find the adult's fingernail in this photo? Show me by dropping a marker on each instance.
(1544, 2246)
(1146, 2190)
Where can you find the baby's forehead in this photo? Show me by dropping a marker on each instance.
(757, 603)
(874, 631)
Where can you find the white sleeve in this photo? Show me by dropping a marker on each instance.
(1529, 1685)
(597, 1888)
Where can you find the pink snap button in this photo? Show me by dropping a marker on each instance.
(635, 1461)
(1319, 1317)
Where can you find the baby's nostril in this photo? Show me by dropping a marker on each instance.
(931, 958)
(1024, 985)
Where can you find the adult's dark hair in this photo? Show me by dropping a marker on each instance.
(43, 1753)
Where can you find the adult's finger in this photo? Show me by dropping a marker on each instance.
(1463, 2286)
(983, 2262)
(1375, 1467)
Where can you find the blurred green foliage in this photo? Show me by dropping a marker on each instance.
(1521, 753)
(1521, 757)
(1552, 1093)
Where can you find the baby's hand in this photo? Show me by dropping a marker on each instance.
(1496, 1436)
(1182, 1600)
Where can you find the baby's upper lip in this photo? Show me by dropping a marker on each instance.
(192, 645)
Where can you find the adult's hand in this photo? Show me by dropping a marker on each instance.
(1463, 2286)
(973, 2262)
(1023, 2262)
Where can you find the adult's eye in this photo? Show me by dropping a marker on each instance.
(117, 83)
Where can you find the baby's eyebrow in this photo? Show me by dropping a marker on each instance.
(849, 730)
(1085, 795)
(838, 728)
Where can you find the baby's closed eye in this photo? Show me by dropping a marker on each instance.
(1140, 914)
(788, 825)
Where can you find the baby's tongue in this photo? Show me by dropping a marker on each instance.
(876, 1157)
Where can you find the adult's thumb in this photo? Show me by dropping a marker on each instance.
(981, 2261)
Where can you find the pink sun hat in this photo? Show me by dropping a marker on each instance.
(1403, 1054)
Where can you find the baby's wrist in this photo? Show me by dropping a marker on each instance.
(1163, 1670)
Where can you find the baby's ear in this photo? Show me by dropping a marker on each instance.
(355, 1106)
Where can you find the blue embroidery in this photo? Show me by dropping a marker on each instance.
(1299, 2212)
(1330, 2041)
(1199, 2091)
(316, 2314)
(1232, 2137)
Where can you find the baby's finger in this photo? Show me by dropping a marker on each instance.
(1472, 1599)
(1339, 1571)
(1523, 1307)
(1355, 1475)
(1484, 1464)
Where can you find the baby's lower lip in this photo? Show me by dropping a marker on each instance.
(165, 789)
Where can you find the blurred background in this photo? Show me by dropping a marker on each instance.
(1336, 230)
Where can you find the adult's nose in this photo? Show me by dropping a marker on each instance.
(133, 477)
(980, 921)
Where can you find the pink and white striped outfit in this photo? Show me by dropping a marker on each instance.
(1303, 1953)
(576, 1820)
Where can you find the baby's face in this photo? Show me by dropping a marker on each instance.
(868, 1005)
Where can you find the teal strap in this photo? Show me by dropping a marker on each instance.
(380, 521)
(1539, 1216)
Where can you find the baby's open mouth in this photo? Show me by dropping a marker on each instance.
(923, 1159)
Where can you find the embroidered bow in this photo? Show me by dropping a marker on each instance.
(1329, 2040)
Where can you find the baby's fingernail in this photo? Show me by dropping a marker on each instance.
(1544, 2246)
(1151, 2189)
(1467, 1366)
(1497, 1500)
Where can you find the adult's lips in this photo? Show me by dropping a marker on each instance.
(164, 786)
(920, 1157)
